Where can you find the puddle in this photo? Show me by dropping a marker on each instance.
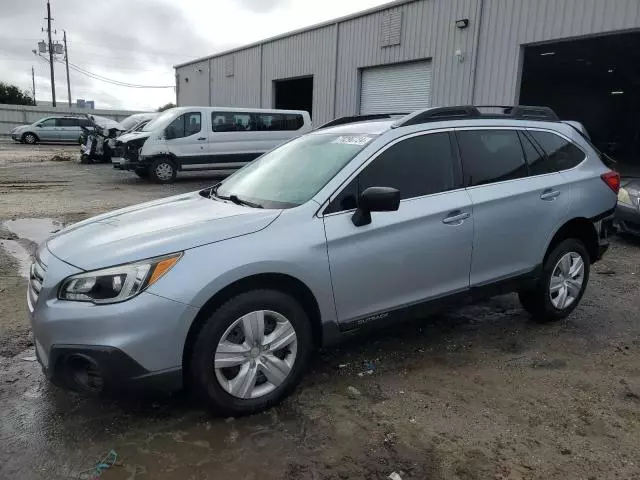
(22, 256)
(35, 229)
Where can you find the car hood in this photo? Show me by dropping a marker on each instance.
(155, 228)
(127, 137)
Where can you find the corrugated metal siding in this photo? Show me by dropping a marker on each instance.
(396, 88)
(508, 24)
(243, 88)
(308, 53)
(196, 90)
(428, 32)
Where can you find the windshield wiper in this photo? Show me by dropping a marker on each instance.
(239, 201)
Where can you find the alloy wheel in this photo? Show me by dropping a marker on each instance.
(30, 138)
(255, 354)
(566, 281)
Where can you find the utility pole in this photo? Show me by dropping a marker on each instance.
(33, 84)
(66, 60)
(53, 80)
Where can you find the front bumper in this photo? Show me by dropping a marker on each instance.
(130, 344)
(627, 219)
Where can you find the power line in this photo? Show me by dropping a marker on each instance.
(120, 83)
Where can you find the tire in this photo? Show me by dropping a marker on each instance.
(231, 399)
(569, 279)
(85, 159)
(30, 138)
(142, 173)
(163, 170)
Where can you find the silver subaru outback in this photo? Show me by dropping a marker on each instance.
(231, 288)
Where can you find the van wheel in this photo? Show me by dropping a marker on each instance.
(85, 159)
(163, 170)
(30, 138)
(251, 352)
(564, 279)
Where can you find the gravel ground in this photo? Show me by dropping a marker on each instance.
(477, 393)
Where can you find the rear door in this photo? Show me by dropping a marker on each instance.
(403, 258)
(514, 213)
(68, 129)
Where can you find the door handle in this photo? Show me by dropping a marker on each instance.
(549, 194)
(202, 138)
(456, 217)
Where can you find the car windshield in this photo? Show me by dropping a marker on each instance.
(130, 121)
(160, 122)
(293, 173)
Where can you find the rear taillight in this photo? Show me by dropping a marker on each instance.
(613, 180)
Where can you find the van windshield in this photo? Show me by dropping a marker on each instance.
(160, 122)
(293, 173)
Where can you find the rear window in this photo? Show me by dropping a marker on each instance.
(561, 153)
(490, 156)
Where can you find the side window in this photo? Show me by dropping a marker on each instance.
(416, 166)
(561, 154)
(83, 122)
(537, 160)
(232, 122)
(49, 122)
(67, 122)
(491, 156)
(279, 121)
(192, 123)
(184, 126)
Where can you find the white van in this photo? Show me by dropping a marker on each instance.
(205, 138)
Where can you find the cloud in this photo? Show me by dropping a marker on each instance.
(262, 6)
(140, 41)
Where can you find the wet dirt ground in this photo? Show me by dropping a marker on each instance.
(477, 393)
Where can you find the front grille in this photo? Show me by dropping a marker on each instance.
(36, 278)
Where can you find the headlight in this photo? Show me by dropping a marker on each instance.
(116, 284)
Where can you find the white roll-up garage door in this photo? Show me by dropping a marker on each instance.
(396, 88)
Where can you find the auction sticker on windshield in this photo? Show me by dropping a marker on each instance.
(353, 139)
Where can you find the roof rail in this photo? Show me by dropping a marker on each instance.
(359, 118)
(461, 112)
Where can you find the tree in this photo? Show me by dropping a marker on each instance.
(12, 95)
(166, 107)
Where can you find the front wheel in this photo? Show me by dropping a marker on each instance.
(30, 139)
(251, 353)
(163, 170)
(564, 279)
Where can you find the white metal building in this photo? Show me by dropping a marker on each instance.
(582, 57)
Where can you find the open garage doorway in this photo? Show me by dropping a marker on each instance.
(294, 94)
(595, 81)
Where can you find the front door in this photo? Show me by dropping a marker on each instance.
(187, 141)
(420, 252)
(48, 130)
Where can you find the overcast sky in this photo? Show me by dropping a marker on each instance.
(139, 41)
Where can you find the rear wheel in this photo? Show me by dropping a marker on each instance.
(564, 279)
(163, 170)
(251, 353)
(30, 138)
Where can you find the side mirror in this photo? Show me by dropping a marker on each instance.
(375, 199)
(168, 133)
